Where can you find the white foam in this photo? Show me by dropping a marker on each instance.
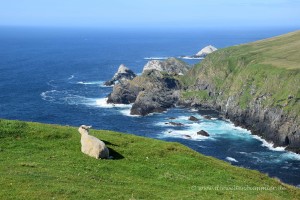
(268, 145)
(290, 155)
(91, 82)
(191, 58)
(102, 102)
(71, 77)
(126, 112)
(156, 58)
(185, 134)
(231, 159)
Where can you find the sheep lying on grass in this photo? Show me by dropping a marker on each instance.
(91, 145)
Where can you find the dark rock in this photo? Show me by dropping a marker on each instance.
(187, 136)
(203, 133)
(171, 118)
(176, 124)
(123, 93)
(192, 118)
(122, 74)
(207, 117)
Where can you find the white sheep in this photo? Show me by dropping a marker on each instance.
(91, 145)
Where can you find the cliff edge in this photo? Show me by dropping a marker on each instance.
(256, 85)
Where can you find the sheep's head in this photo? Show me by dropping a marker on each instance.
(83, 129)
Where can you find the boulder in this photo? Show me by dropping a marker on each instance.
(176, 124)
(122, 74)
(203, 133)
(207, 117)
(194, 119)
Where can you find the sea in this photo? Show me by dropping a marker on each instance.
(56, 75)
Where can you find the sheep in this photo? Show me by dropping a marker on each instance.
(91, 145)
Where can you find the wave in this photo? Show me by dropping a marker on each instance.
(270, 146)
(156, 58)
(231, 159)
(90, 82)
(190, 58)
(102, 102)
(71, 77)
(184, 134)
(126, 112)
(99, 83)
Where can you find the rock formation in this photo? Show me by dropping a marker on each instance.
(156, 90)
(205, 51)
(203, 133)
(171, 66)
(122, 74)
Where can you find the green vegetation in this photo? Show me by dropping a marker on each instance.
(39, 161)
(199, 94)
(266, 70)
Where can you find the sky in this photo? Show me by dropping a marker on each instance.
(150, 13)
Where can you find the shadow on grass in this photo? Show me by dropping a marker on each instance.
(115, 155)
(108, 143)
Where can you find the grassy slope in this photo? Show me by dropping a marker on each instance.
(270, 66)
(39, 161)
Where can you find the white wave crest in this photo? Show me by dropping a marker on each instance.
(231, 159)
(90, 82)
(268, 145)
(185, 134)
(71, 77)
(102, 102)
(191, 58)
(156, 58)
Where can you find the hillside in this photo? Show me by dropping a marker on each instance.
(41, 161)
(256, 85)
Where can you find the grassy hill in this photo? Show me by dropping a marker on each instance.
(256, 84)
(39, 161)
(266, 66)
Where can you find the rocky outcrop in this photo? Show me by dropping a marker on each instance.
(156, 90)
(172, 66)
(203, 133)
(193, 118)
(122, 74)
(205, 51)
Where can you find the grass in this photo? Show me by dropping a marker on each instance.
(267, 68)
(39, 161)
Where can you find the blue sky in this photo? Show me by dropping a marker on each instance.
(150, 13)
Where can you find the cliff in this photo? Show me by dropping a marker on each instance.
(256, 85)
(156, 90)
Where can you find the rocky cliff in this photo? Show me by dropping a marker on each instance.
(154, 91)
(255, 85)
(122, 74)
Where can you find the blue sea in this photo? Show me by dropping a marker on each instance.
(56, 76)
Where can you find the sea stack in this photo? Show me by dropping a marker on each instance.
(205, 51)
(123, 73)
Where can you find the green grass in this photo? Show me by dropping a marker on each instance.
(199, 94)
(269, 68)
(39, 161)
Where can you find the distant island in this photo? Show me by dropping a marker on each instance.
(202, 53)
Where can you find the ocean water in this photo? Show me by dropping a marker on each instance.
(56, 76)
